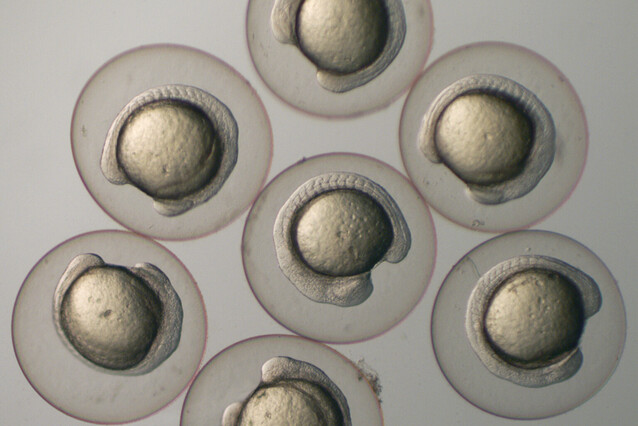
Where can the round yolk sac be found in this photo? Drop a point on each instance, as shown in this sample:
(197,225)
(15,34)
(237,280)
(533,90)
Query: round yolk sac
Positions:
(332,231)
(111,317)
(342,36)
(168,149)
(291,402)
(535,318)
(483,139)
(342,233)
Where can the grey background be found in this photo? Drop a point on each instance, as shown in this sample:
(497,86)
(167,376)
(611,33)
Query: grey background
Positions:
(50,49)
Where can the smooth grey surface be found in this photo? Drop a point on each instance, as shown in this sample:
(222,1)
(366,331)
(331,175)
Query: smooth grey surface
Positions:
(50,49)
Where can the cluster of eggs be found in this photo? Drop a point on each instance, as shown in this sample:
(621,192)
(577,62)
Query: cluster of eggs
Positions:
(479,143)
